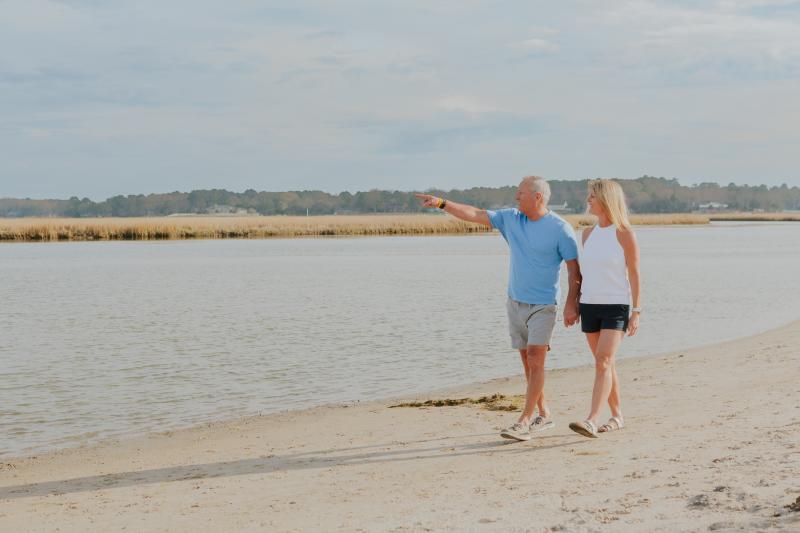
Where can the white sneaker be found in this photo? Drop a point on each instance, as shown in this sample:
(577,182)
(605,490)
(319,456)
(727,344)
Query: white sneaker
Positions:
(541,423)
(517,432)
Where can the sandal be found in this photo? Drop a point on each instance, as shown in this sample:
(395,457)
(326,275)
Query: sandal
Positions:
(614,423)
(585,428)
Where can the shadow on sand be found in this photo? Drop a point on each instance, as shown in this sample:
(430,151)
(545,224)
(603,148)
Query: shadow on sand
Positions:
(422,450)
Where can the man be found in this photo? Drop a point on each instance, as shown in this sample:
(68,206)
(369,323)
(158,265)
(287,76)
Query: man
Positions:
(539,240)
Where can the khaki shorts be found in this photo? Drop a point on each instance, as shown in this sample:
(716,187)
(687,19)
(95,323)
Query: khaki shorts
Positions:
(530,324)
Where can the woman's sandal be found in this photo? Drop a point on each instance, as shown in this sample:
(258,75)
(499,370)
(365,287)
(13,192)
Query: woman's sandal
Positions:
(585,428)
(614,423)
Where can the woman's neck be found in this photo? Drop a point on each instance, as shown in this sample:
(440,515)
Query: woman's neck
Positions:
(603,221)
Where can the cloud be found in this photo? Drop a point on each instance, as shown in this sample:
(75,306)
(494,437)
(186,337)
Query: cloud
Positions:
(689,44)
(323,34)
(295,93)
(449,132)
(38,15)
(465,104)
(538,45)
(740,5)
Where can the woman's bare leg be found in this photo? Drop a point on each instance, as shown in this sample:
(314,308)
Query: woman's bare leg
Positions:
(605,350)
(614,402)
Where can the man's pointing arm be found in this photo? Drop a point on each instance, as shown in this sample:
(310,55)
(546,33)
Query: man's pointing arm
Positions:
(462,211)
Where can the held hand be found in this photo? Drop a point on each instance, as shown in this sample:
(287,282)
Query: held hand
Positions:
(571,315)
(428,200)
(633,324)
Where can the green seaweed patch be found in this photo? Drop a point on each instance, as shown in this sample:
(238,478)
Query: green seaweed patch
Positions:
(434,403)
(495,402)
(794,507)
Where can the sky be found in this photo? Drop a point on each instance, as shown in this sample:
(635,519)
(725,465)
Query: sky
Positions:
(104,97)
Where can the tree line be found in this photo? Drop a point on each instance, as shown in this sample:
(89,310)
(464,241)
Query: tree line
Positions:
(645,195)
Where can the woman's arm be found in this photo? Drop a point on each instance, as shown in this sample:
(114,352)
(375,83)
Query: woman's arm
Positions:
(627,239)
(586,233)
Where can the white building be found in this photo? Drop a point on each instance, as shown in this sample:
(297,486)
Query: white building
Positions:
(712,206)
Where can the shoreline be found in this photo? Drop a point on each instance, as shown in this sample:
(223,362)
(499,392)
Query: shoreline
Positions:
(161,229)
(724,454)
(457,390)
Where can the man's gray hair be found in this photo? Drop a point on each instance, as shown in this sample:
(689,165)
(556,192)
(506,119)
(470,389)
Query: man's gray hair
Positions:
(538,184)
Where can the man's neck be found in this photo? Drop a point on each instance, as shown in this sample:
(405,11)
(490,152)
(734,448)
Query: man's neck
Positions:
(536,214)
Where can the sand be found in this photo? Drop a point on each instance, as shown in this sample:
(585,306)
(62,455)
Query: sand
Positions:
(712,443)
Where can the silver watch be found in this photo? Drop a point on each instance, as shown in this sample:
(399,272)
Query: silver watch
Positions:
(636,310)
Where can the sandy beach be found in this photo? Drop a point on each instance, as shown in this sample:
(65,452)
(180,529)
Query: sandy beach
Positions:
(712,443)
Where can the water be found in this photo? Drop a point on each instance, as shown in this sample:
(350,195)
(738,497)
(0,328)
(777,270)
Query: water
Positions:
(105,339)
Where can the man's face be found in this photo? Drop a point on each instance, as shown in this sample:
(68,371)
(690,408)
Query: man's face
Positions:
(527,200)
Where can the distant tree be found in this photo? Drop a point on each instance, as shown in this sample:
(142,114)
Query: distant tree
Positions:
(645,194)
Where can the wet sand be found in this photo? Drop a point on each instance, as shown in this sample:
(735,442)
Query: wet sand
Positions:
(712,443)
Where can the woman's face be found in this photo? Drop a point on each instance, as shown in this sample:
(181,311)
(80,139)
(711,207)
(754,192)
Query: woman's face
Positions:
(593,207)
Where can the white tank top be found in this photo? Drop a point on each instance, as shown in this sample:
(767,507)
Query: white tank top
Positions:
(605,274)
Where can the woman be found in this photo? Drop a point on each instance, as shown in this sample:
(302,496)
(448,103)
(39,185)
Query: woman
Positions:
(610,270)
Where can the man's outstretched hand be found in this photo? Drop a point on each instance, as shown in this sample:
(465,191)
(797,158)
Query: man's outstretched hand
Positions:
(428,200)
(460,211)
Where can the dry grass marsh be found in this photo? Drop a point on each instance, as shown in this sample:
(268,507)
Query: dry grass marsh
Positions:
(162,228)
(756,217)
(258,227)
(666,219)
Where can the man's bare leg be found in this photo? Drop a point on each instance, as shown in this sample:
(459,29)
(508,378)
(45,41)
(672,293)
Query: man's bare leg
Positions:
(541,405)
(535,391)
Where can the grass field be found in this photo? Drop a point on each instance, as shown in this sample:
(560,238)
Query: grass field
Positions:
(756,217)
(164,228)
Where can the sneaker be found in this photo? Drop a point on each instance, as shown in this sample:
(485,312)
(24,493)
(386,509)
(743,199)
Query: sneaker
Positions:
(517,432)
(541,423)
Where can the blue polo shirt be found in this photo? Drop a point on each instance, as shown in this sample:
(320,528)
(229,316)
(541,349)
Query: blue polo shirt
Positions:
(537,249)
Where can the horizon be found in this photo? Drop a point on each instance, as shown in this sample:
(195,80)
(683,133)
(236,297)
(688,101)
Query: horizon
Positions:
(103,99)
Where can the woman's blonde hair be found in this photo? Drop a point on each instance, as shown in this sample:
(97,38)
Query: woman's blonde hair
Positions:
(612,199)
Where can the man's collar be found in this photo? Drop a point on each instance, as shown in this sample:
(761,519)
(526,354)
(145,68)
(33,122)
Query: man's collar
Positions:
(546,212)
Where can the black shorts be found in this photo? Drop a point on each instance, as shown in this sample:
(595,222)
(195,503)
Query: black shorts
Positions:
(595,317)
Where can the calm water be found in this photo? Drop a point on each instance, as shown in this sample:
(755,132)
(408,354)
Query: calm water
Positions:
(102,339)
